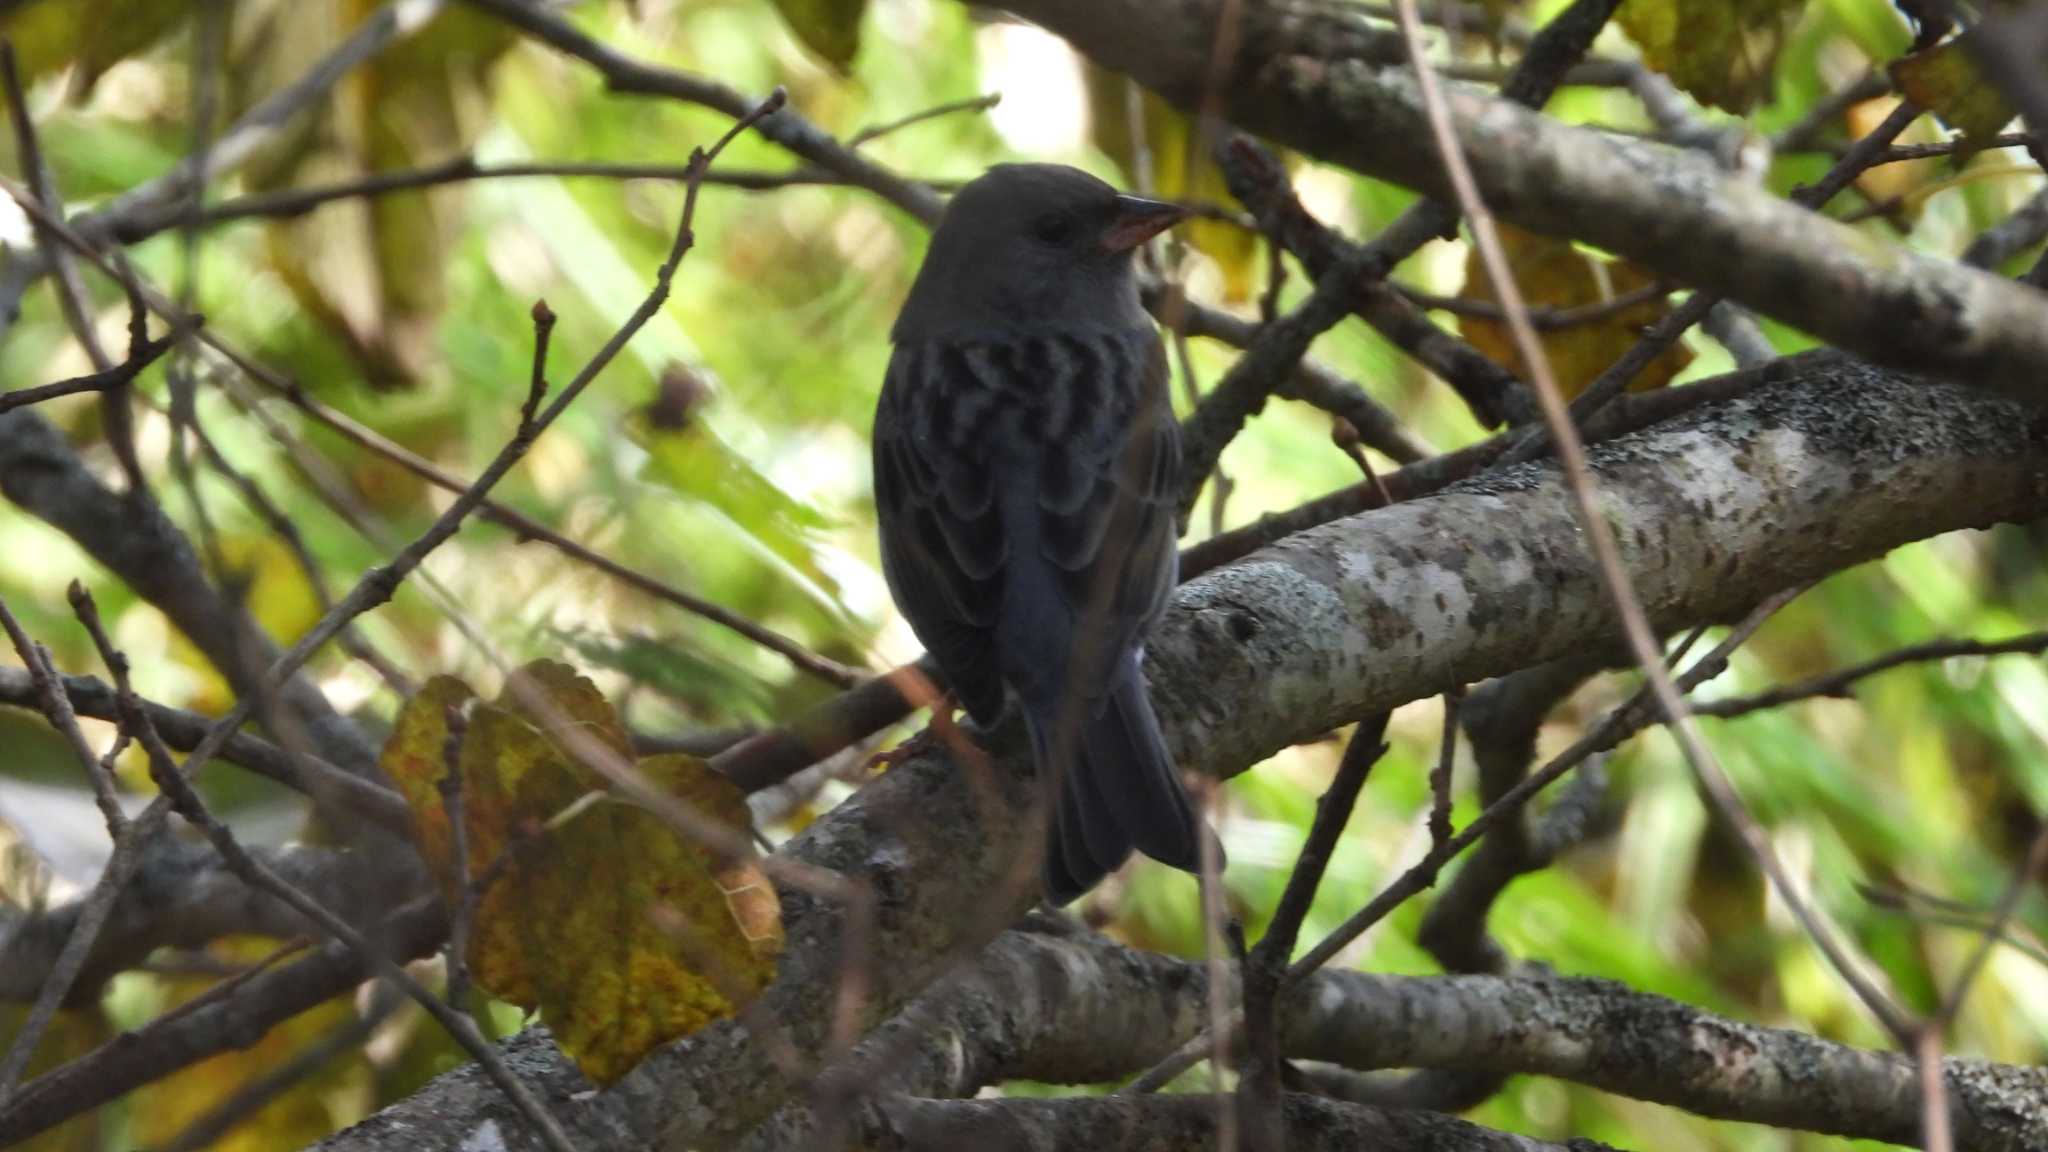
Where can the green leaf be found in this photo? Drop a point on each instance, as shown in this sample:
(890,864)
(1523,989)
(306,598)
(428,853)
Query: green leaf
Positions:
(1945,81)
(619,931)
(829,28)
(1719,51)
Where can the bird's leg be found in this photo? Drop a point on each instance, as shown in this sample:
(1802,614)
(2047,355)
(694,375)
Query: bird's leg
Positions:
(943,731)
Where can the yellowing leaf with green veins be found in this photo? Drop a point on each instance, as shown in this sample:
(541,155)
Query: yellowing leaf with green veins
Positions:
(1945,81)
(829,28)
(1554,275)
(633,935)
(1167,129)
(1721,52)
(619,931)
(415,757)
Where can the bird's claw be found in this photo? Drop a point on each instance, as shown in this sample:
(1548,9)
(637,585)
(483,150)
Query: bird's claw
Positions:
(943,732)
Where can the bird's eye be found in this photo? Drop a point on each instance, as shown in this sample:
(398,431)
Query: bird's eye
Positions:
(1053,228)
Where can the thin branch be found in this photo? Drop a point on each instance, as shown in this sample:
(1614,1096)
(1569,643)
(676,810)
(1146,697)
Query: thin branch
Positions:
(502,514)
(215,1023)
(951,108)
(1265,968)
(119,376)
(71,296)
(56,707)
(331,787)
(162,202)
(85,930)
(625,75)
(262,1090)
(1668,330)
(1837,684)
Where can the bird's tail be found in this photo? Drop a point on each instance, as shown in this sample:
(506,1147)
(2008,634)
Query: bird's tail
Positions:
(1117,790)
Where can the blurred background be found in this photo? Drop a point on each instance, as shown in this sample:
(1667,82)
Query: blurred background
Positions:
(725,452)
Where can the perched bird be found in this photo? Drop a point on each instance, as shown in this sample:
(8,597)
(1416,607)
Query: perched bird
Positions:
(1025,468)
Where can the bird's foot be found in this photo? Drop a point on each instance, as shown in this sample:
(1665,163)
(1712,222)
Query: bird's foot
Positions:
(943,733)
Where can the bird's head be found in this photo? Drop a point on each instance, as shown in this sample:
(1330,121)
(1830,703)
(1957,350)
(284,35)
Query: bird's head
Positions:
(1032,248)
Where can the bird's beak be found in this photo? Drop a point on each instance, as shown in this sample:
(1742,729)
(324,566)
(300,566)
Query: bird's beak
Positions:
(1138,220)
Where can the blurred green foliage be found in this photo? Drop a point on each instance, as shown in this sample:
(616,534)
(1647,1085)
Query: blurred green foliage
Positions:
(411,314)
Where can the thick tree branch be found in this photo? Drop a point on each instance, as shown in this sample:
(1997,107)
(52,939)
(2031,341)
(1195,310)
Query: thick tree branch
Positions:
(42,473)
(1174,1124)
(1834,464)
(1315,79)
(220,1024)
(181,897)
(327,784)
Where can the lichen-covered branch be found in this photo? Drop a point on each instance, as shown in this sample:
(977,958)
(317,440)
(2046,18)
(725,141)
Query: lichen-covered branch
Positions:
(1174,1124)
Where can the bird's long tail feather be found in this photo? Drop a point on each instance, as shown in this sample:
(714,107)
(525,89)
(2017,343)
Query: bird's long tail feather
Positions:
(1116,791)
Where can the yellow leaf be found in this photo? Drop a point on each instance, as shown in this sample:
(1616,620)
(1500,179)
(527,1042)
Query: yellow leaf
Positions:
(1720,51)
(1944,80)
(1235,250)
(278,594)
(91,35)
(829,28)
(415,759)
(310,1110)
(372,272)
(633,935)
(1554,275)
(620,932)
(569,693)
(1893,184)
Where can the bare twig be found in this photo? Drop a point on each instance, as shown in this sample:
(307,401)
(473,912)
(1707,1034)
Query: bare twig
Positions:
(1668,330)
(952,107)
(464,912)
(327,784)
(524,525)
(625,75)
(71,295)
(1266,966)
(85,930)
(225,1017)
(2031,862)
(161,203)
(262,1090)
(1838,683)
(56,707)
(119,376)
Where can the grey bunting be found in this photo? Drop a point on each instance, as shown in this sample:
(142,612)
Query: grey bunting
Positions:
(1026,460)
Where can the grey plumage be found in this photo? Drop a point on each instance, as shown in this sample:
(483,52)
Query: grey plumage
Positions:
(1025,467)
